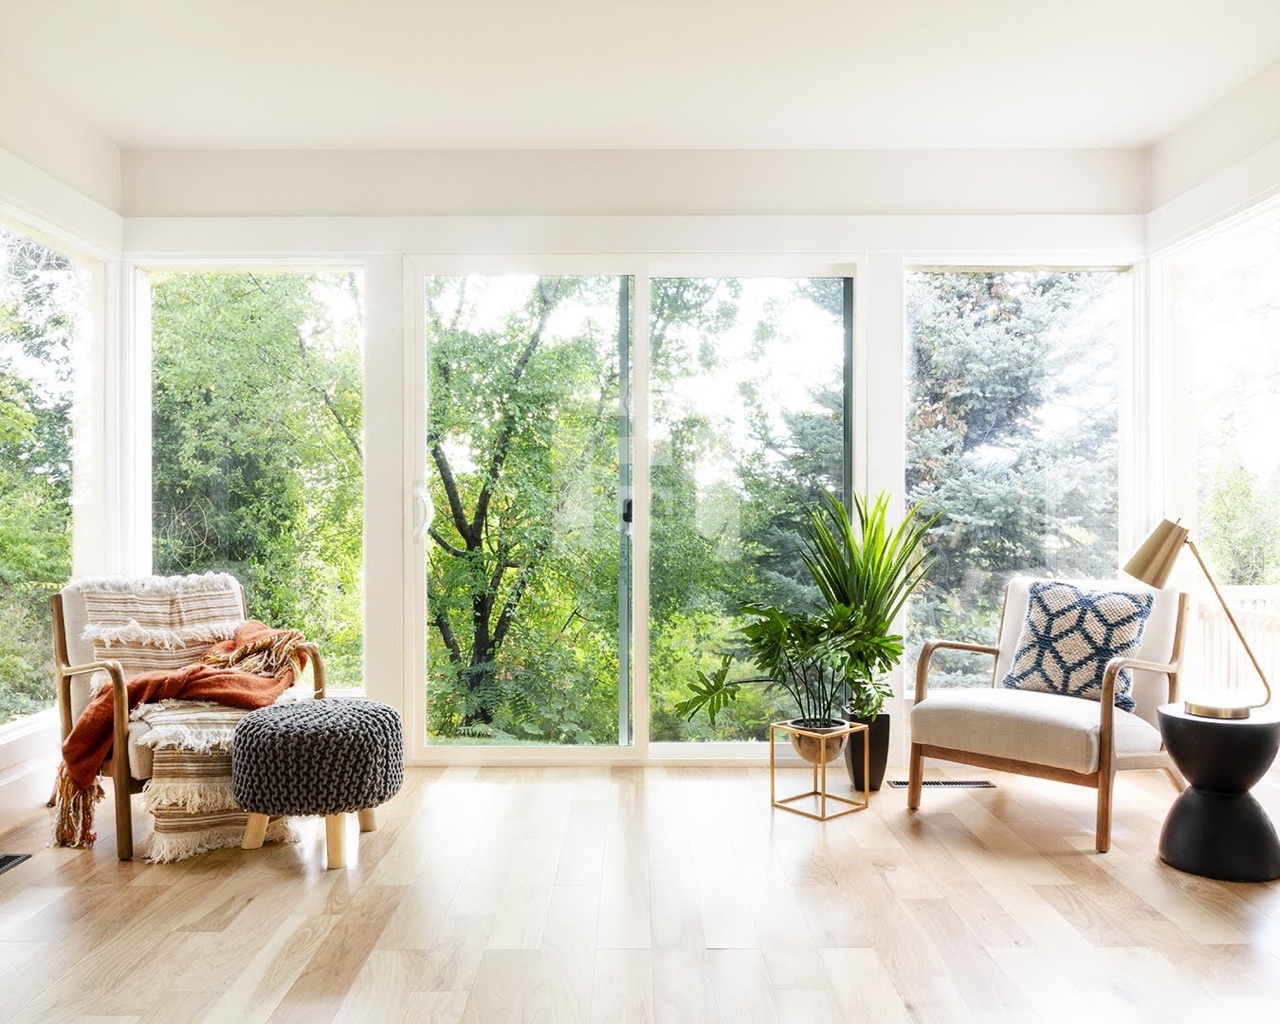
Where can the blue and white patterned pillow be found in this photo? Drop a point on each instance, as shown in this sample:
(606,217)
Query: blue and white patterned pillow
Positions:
(1070,634)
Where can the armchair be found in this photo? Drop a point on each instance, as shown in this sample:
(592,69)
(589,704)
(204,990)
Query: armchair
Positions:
(118,627)
(1054,735)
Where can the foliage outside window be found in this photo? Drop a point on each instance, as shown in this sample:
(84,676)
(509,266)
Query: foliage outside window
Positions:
(41,300)
(1012,433)
(523,421)
(1225,317)
(528,471)
(257,435)
(1224,324)
(747,393)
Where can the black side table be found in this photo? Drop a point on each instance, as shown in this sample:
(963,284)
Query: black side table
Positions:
(1217,828)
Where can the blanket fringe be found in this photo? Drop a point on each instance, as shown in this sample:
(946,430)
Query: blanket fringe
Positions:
(192,796)
(190,739)
(165,848)
(133,632)
(73,824)
(193,583)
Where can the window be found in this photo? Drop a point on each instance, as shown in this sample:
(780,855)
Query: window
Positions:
(1013,387)
(1223,321)
(42,296)
(748,396)
(257,434)
(529,459)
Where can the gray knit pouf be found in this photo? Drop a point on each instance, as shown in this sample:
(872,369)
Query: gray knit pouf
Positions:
(317,757)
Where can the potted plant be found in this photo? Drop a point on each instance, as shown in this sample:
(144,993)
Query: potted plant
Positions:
(844,650)
(870,565)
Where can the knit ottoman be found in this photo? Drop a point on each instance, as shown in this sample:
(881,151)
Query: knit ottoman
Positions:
(328,757)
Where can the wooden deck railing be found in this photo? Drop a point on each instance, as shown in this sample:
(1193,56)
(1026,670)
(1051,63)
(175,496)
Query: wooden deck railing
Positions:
(1216,660)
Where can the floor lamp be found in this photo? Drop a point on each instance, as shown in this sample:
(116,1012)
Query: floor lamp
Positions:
(1152,563)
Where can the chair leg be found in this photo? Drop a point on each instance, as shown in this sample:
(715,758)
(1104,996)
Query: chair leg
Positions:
(915,777)
(1102,837)
(368,820)
(124,808)
(1175,776)
(335,840)
(255,832)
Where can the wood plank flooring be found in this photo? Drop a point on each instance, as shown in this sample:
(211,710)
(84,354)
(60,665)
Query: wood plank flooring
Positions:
(658,894)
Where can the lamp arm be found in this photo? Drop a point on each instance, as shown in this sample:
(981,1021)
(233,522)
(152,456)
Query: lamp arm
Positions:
(1232,619)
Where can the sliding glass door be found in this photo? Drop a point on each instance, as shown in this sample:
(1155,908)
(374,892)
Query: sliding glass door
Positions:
(750,380)
(528,460)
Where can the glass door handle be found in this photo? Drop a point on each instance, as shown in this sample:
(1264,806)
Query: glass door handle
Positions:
(423,512)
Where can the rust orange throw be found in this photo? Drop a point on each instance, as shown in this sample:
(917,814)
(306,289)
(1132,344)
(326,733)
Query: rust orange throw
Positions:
(248,671)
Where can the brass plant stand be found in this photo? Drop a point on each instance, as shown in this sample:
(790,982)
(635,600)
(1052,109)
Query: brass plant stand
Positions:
(820,773)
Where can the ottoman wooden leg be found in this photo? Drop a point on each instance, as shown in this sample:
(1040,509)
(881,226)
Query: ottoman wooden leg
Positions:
(335,840)
(368,820)
(254,832)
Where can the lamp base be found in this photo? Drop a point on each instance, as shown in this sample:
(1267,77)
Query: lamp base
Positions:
(1235,711)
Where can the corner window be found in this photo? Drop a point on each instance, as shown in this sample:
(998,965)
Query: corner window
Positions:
(257,445)
(1013,396)
(42,299)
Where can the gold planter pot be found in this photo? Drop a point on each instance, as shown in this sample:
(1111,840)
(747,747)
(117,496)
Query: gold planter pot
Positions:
(819,744)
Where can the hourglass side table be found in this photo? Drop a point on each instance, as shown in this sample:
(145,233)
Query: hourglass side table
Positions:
(1217,828)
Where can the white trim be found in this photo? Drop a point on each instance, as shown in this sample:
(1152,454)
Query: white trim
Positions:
(754,754)
(58,211)
(287,239)
(1237,191)
(415,611)
(640,524)
(386,638)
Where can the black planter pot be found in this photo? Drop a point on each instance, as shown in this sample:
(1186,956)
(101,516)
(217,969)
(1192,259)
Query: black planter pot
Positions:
(878,737)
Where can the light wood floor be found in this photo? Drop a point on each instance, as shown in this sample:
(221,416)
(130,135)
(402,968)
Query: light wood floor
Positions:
(651,894)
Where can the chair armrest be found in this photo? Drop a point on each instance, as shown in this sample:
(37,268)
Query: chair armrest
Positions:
(317,668)
(119,695)
(1110,675)
(926,656)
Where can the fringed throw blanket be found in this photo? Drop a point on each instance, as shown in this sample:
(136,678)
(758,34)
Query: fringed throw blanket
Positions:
(248,671)
(189,794)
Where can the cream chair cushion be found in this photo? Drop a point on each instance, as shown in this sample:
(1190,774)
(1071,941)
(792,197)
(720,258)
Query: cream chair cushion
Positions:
(1025,725)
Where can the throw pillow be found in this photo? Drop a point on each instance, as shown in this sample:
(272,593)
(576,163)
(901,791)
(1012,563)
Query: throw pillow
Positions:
(1070,634)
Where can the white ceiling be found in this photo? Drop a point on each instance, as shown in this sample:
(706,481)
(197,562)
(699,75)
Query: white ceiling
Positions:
(551,74)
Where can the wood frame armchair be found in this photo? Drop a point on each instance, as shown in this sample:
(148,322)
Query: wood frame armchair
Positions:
(73,658)
(955,725)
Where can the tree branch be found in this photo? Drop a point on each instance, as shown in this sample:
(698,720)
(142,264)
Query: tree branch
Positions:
(446,634)
(456,552)
(455,498)
(548,288)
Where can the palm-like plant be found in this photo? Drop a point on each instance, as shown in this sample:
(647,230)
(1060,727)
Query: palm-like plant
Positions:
(865,572)
(872,567)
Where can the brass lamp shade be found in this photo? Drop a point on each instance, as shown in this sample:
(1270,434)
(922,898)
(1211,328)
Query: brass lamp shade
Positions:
(1153,562)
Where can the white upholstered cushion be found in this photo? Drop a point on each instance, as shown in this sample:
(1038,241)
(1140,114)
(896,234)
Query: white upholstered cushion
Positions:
(1023,725)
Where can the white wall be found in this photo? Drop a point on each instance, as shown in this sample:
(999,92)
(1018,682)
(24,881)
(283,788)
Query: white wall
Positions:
(41,130)
(207,183)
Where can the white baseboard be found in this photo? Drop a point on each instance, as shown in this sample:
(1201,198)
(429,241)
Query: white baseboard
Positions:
(29,751)
(25,788)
